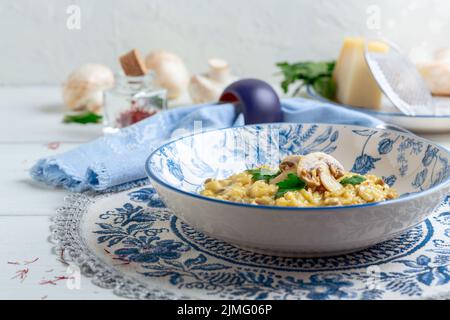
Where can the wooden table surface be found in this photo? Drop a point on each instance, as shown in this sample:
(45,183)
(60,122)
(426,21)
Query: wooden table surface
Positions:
(31,119)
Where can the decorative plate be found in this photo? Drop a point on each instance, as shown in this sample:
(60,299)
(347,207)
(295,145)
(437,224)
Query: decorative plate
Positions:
(129,242)
(388,113)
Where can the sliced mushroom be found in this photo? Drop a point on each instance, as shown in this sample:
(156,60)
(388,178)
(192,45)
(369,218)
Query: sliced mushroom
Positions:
(328,181)
(313,160)
(307,170)
(283,176)
(288,165)
(318,169)
(290,162)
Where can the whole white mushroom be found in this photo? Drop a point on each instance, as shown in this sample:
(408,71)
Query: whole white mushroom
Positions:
(209,86)
(170,72)
(83,89)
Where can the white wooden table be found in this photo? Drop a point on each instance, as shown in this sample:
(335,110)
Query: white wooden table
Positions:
(31,119)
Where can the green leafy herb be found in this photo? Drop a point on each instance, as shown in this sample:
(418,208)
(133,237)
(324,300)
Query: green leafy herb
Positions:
(83,118)
(353,180)
(292,183)
(325,87)
(263,174)
(319,75)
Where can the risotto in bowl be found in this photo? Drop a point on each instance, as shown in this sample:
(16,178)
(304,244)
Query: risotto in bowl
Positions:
(312,180)
(301,189)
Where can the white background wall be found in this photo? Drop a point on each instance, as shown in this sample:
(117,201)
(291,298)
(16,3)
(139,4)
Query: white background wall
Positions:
(38,48)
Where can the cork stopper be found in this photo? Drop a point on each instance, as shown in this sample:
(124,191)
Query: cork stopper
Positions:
(133,64)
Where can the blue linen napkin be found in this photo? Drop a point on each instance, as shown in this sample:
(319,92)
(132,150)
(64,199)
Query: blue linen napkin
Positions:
(118,159)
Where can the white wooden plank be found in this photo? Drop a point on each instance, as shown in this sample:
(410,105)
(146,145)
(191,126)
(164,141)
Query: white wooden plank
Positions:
(25,239)
(19,193)
(34,114)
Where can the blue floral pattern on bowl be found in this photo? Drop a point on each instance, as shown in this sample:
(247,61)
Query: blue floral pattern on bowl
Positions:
(184,164)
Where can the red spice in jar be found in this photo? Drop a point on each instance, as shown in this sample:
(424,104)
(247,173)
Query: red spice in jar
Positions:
(133,115)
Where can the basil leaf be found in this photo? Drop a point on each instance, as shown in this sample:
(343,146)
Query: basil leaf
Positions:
(292,183)
(354,180)
(263,174)
(83,118)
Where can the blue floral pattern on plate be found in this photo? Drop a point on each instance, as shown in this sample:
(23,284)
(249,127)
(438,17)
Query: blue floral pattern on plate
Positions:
(162,251)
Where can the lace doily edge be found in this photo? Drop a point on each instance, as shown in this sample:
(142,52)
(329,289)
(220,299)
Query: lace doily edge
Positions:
(70,247)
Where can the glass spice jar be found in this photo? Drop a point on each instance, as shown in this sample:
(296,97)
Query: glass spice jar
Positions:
(131,100)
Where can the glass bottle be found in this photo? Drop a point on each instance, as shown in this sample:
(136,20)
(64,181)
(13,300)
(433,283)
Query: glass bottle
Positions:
(131,100)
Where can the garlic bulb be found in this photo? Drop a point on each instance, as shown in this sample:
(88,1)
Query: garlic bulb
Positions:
(83,89)
(208,87)
(170,72)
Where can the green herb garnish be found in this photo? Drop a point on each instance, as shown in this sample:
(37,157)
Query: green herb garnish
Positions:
(325,87)
(83,118)
(292,183)
(353,180)
(319,75)
(263,174)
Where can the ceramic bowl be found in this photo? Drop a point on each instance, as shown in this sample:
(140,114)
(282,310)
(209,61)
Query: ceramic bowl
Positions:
(417,168)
